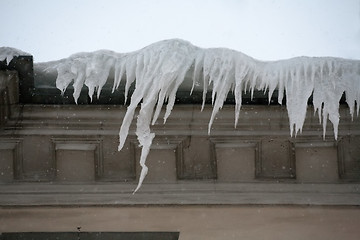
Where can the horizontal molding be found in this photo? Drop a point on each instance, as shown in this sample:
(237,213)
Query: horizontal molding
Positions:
(234,142)
(185,120)
(7,145)
(75,146)
(314,144)
(84,115)
(179,194)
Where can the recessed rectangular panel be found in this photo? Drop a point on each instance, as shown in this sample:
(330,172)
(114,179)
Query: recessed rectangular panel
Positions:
(317,164)
(37,158)
(198,161)
(235,164)
(349,158)
(161,164)
(6,165)
(75,165)
(77,160)
(118,165)
(10,160)
(276,159)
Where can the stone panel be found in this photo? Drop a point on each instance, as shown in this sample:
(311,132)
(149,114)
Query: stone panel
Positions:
(198,160)
(161,161)
(118,165)
(78,160)
(316,162)
(349,158)
(161,164)
(235,160)
(10,160)
(6,165)
(9,94)
(37,160)
(276,159)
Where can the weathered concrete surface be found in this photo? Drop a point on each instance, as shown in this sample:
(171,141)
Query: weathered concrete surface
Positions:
(186,193)
(9,94)
(194,222)
(69,153)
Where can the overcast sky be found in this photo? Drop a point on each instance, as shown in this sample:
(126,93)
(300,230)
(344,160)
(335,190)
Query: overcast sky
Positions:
(263,29)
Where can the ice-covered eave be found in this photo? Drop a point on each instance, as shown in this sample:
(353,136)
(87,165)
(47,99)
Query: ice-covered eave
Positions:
(158,70)
(7,53)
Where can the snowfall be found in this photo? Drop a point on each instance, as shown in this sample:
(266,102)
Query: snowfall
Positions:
(159,69)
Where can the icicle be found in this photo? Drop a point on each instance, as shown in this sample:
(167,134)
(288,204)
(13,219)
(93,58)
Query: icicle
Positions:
(79,69)
(119,72)
(241,70)
(144,135)
(223,80)
(199,58)
(65,76)
(282,79)
(130,74)
(172,94)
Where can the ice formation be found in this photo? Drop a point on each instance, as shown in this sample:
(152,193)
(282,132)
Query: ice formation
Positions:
(159,69)
(7,53)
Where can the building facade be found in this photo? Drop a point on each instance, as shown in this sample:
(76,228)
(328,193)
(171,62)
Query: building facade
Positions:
(60,170)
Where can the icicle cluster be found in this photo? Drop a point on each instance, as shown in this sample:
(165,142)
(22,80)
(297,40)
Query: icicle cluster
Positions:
(159,69)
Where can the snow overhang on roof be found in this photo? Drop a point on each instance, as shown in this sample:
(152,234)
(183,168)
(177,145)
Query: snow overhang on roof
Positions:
(16,60)
(7,54)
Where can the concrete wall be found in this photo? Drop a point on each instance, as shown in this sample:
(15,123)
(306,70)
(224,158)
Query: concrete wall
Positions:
(77,145)
(9,94)
(194,222)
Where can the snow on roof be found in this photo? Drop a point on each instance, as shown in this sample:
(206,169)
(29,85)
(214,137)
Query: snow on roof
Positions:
(9,53)
(160,68)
